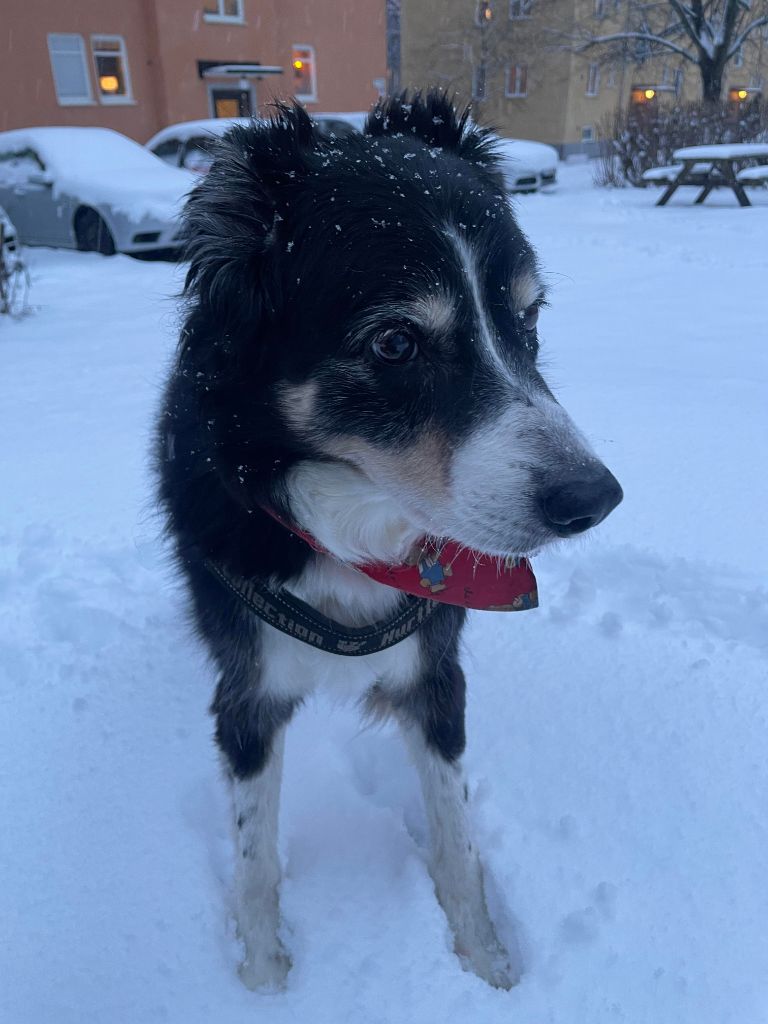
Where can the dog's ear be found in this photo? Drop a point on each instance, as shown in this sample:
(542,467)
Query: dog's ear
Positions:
(230,221)
(433,118)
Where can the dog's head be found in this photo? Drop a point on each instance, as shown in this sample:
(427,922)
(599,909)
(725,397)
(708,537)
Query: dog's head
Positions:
(369,307)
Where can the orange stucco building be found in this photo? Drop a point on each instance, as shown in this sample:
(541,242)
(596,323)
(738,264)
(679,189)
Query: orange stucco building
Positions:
(138,65)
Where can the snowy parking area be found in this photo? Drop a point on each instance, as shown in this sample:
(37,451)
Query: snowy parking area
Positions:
(617,735)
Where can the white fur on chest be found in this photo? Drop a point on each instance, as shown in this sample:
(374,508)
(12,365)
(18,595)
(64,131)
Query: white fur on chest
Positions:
(292,669)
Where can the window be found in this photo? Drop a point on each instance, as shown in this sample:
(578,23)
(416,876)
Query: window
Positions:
(516,84)
(679,80)
(738,58)
(70,70)
(112,78)
(587,134)
(593,80)
(599,8)
(610,80)
(169,151)
(519,9)
(478,82)
(304,73)
(224,10)
(19,168)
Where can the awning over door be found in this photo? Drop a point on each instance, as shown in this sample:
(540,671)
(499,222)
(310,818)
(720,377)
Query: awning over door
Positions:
(243,69)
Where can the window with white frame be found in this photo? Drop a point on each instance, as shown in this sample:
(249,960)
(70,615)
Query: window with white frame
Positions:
(587,133)
(679,81)
(599,8)
(478,82)
(304,72)
(593,80)
(519,9)
(516,84)
(224,10)
(70,69)
(113,82)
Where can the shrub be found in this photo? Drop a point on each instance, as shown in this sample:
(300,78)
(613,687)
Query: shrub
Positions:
(634,139)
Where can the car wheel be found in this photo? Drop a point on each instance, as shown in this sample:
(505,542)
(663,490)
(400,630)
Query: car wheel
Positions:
(92,233)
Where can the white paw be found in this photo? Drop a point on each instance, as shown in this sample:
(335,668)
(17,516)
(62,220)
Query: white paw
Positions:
(265,971)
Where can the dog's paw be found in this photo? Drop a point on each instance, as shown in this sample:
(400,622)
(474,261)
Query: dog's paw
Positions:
(266,972)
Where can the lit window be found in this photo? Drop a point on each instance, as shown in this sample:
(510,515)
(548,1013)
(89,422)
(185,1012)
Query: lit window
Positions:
(478,82)
(593,80)
(224,10)
(304,73)
(519,9)
(70,69)
(112,79)
(517,81)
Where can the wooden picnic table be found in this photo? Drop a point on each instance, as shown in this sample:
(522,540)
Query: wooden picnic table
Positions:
(710,167)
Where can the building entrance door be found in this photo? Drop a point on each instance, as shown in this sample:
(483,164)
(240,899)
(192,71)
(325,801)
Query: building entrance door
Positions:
(229,102)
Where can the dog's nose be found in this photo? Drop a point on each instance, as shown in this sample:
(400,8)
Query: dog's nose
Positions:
(581,502)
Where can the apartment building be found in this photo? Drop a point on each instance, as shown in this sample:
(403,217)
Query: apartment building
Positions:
(138,65)
(502,54)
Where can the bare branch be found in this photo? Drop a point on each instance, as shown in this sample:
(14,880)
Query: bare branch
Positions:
(745,34)
(646,37)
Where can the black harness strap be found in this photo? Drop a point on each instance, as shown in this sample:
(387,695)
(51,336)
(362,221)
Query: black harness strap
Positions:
(293,616)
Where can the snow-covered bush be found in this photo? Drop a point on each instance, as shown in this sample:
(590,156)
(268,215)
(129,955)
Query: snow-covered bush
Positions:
(14,278)
(636,138)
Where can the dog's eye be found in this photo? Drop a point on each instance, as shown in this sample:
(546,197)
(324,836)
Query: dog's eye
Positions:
(395,348)
(530,317)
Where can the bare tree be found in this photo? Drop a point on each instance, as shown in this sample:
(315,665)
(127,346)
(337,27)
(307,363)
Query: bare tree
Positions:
(707,33)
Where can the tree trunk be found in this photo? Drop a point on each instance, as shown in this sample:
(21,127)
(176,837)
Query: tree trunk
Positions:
(711,79)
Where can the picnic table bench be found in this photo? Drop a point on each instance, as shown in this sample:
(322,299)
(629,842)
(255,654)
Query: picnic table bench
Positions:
(711,167)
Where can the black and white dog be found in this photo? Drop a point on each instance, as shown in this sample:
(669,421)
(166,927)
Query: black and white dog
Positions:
(358,364)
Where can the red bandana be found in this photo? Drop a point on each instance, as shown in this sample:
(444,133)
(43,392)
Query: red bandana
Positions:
(448,572)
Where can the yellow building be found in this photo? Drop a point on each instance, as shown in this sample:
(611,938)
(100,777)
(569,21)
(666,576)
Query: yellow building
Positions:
(504,56)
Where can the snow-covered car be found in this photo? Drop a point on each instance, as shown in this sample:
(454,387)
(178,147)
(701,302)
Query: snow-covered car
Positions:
(190,144)
(340,124)
(90,189)
(527,166)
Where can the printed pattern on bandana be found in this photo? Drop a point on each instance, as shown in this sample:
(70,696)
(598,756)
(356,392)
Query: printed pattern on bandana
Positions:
(453,574)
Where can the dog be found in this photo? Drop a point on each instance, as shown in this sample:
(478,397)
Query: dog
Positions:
(357,370)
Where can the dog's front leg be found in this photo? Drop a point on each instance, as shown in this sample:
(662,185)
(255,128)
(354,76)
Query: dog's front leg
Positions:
(251,735)
(434,733)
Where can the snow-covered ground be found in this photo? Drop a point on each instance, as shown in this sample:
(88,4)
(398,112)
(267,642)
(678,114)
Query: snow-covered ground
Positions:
(617,736)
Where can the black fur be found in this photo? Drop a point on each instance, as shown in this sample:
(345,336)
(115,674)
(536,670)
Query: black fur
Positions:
(291,240)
